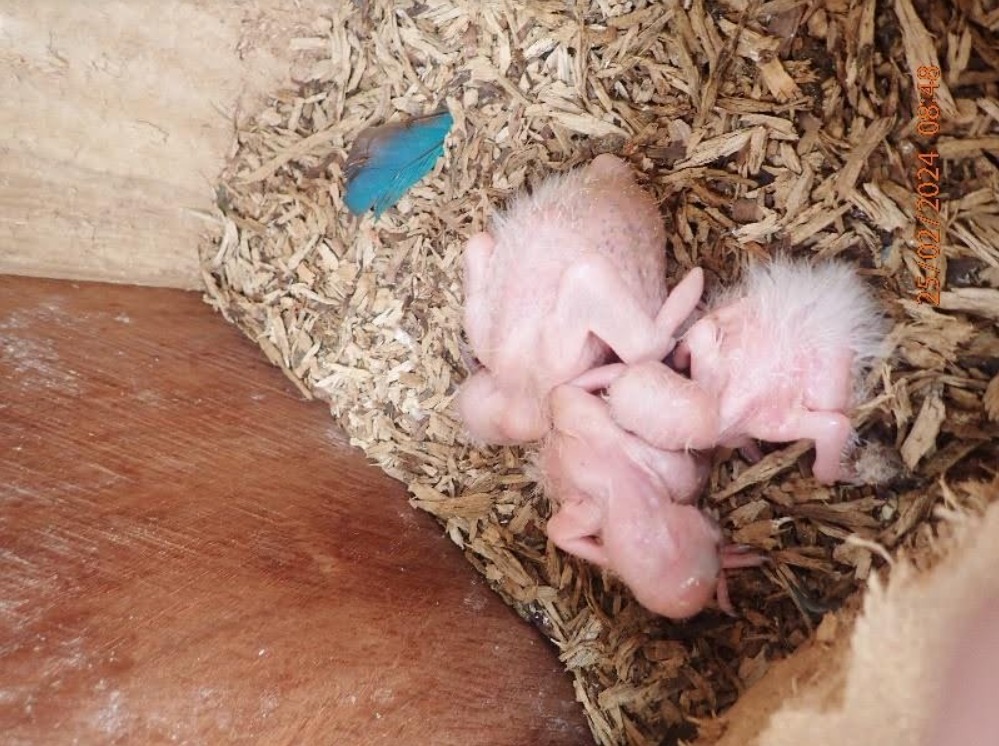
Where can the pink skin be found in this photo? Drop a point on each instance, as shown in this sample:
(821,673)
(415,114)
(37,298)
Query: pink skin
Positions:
(628,507)
(737,402)
(574,274)
(751,377)
(581,514)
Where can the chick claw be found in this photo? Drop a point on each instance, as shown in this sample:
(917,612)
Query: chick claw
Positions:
(734,557)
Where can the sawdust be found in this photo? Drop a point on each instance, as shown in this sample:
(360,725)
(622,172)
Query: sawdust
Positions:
(760,127)
(882,675)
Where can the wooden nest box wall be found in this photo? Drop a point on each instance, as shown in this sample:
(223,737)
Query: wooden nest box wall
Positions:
(198,146)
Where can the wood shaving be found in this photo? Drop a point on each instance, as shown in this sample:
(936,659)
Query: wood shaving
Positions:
(925,430)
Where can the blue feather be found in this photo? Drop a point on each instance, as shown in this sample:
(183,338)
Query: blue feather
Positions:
(386,161)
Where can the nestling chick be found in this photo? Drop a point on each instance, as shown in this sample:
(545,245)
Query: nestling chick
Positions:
(566,277)
(630,508)
(779,357)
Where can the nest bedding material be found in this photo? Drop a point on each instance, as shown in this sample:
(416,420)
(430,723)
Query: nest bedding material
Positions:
(885,674)
(761,127)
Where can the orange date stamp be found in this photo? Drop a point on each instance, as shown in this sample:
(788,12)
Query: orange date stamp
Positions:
(927,189)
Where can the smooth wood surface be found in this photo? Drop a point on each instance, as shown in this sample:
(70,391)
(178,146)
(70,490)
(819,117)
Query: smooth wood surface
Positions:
(115,120)
(190,554)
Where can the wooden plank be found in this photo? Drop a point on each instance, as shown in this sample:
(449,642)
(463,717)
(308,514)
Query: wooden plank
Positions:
(116,119)
(189,553)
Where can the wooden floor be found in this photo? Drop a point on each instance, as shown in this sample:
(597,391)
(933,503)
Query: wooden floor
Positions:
(190,554)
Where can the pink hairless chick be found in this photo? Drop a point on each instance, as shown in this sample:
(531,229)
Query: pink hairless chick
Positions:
(778,358)
(629,507)
(568,276)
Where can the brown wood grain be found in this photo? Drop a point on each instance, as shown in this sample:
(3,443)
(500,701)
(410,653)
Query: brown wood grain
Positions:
(189,553)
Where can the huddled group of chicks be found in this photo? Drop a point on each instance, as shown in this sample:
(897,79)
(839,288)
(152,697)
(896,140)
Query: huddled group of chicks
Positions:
(629,387)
